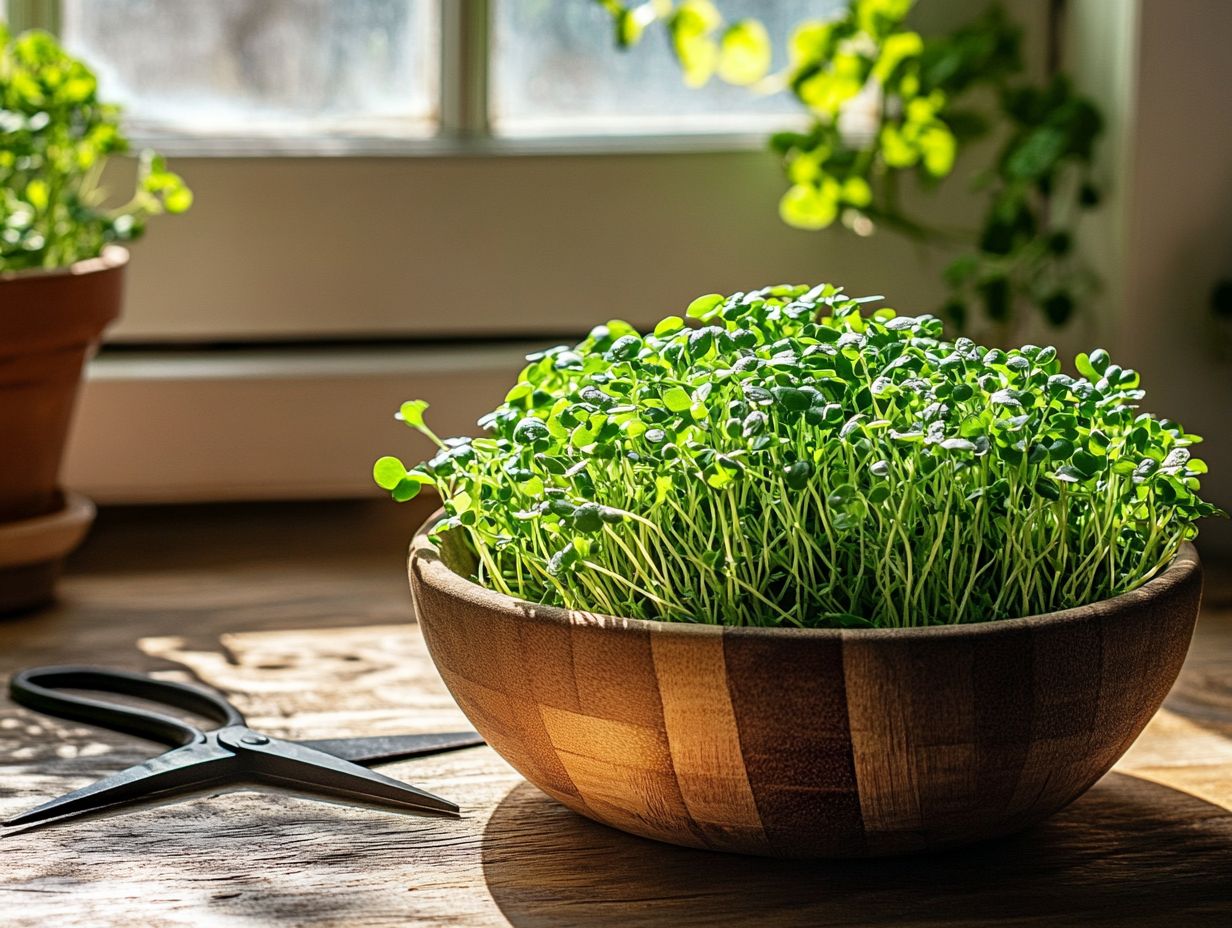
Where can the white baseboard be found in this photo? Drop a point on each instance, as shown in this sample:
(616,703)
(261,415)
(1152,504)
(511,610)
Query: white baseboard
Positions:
(269,424)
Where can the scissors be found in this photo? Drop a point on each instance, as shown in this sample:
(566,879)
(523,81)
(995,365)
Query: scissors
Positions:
(230,753)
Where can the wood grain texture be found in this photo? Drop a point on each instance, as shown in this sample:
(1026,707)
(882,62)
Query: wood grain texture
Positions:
(300,615)
(807,743)
(704,739)
(798,755)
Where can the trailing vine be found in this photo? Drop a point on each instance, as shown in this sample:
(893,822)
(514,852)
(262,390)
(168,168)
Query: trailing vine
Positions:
(884,102)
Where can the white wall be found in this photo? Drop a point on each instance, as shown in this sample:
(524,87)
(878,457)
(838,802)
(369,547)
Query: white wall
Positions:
(423,246)
(1163,70)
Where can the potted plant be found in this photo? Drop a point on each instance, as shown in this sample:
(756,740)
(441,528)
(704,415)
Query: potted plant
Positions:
(799,580)
(61,277)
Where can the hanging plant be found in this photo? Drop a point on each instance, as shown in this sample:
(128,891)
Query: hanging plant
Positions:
(884,103)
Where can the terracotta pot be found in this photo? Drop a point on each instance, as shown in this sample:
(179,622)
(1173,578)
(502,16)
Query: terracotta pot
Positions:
(32,552)
(50,322)
(806,743)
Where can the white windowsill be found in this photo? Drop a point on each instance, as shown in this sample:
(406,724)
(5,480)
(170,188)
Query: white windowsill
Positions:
(327,361)
(442,147)
(678,136)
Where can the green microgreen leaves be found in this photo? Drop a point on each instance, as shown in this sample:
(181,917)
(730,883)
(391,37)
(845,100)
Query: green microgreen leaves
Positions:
(388,472)
(412,413)
(704,308)
(677,399)
(786,459)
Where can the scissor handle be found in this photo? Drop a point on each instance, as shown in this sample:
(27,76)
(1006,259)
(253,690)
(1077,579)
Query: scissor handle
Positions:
(37,689)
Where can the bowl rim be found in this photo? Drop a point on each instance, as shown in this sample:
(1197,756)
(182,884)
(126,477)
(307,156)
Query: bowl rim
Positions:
(425,560)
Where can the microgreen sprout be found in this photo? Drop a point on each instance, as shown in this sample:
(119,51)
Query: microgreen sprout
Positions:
(785,459)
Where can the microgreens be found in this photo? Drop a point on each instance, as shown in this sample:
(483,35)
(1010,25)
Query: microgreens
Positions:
(787,460)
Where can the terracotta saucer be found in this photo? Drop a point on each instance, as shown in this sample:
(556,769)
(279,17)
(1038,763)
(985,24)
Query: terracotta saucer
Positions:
(32,552)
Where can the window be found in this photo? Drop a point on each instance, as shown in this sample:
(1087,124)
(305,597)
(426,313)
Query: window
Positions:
(269,68)
(400,70)
(555,70)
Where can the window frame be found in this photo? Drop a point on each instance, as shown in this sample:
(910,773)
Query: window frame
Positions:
(463,127)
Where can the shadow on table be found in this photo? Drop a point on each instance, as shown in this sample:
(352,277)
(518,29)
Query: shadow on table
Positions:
(1129,852)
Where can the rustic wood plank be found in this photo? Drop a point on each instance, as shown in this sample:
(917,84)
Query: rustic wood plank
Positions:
(302,623)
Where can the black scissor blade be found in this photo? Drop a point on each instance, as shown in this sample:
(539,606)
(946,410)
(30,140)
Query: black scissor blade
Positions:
(384,749)
(288,764)
(182,770)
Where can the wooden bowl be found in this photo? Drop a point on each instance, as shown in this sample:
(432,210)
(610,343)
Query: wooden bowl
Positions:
(806,743)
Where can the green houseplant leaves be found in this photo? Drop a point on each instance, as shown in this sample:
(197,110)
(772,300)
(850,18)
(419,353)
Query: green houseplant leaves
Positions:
(885,104)
(55,138)
(788,460)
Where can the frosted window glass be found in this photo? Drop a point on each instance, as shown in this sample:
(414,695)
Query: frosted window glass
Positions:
(263,67)
(555,69)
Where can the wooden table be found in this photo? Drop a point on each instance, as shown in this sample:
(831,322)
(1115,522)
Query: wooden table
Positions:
(301,615)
